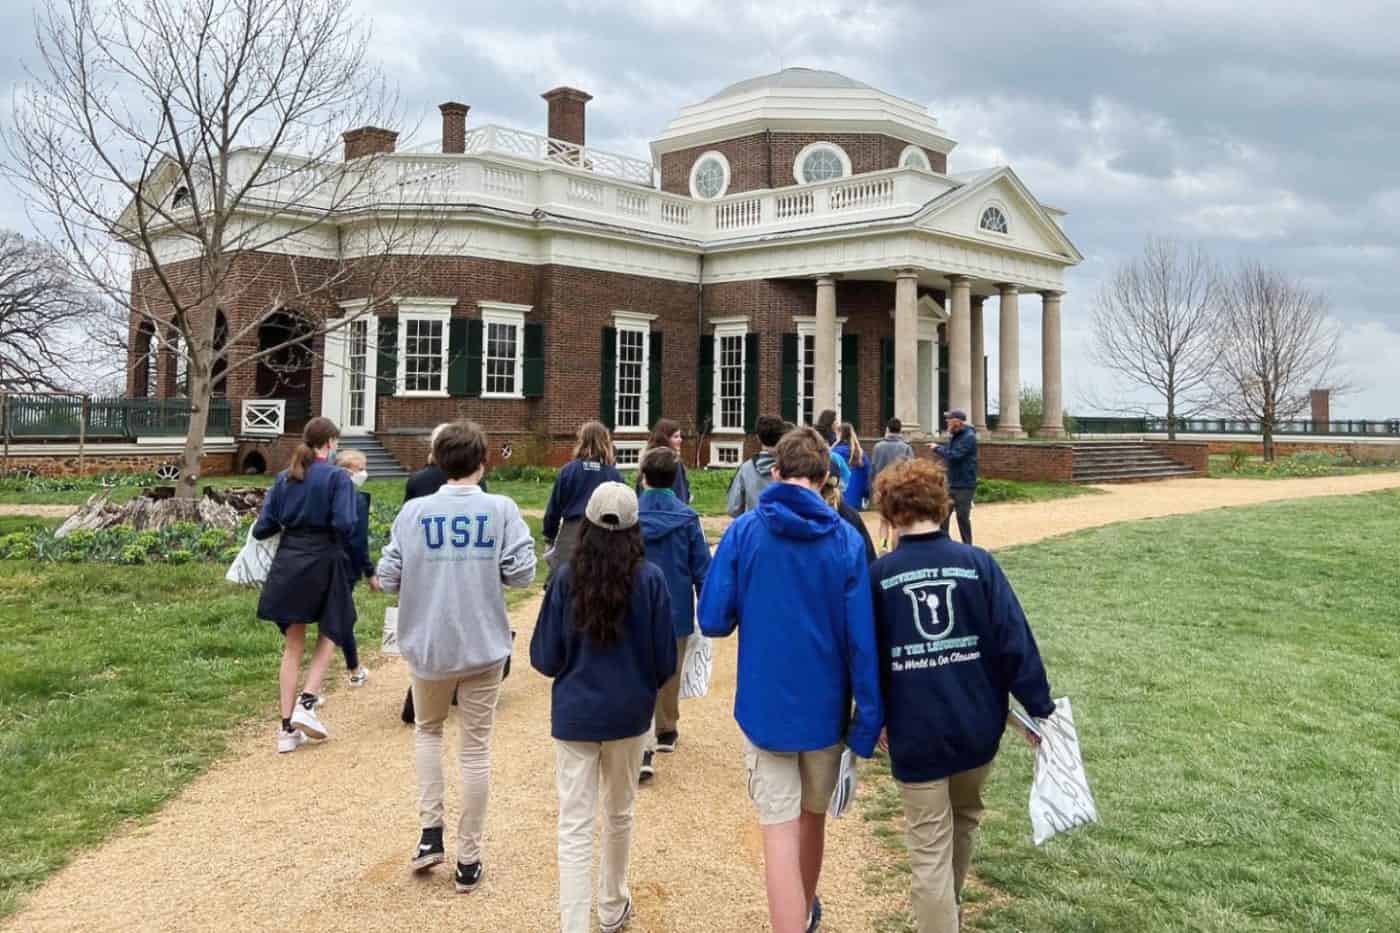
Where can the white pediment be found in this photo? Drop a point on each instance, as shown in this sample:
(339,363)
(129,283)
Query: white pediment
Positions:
(929,308)
(1029,226)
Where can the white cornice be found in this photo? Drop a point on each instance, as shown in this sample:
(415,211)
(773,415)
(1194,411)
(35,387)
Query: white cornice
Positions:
(505,307)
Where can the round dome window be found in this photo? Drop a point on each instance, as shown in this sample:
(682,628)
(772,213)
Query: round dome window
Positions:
(709,177)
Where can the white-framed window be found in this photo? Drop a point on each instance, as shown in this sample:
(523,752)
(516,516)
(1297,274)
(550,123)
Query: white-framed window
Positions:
(629,454)
(502,349)
(914,157)
(709,176)
(993,220)
(731,364)
(726,454)
(633,376)
(423,346)
(807,411)
(821,161)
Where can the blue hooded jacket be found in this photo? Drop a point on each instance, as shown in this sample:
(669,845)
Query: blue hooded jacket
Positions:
(953,643)
(792,577)
(676,544)
(960,455)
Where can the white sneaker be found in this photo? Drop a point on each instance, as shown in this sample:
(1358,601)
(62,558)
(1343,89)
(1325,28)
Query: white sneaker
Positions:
(360,677)
(289,741)
(305,721)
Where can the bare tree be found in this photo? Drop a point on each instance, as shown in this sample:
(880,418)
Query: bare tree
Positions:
(206,136)
(1155,327)
(44,311)
(1279,343)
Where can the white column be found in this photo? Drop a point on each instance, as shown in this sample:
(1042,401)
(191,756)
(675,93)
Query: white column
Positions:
(824,356)
(979,368)
(906,348)
(1009,370)
(1052,389)
(960,344)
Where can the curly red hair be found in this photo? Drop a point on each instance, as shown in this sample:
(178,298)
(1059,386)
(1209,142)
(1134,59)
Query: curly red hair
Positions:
(912,491)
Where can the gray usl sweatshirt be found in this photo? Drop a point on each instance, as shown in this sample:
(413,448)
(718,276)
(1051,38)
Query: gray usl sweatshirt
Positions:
(450,557)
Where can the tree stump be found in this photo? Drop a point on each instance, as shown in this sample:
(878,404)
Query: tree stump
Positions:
(151,511)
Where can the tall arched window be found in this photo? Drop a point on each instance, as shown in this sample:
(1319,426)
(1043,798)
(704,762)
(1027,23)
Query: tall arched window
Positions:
(144,352)
(219,371)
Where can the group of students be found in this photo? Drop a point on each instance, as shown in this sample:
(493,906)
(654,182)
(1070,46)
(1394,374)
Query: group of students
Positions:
(916,651)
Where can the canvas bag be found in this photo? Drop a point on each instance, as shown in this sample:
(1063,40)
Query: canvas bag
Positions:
(1060,795)
(696,667)
(390,644)
(254,560)
(845,785)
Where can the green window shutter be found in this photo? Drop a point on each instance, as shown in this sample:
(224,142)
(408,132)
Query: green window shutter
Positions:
(887,378)
(534,360)
(850,379)
(655,372)
(790,377)
(607,390)
(751,383)
(705,386)
(457,366)
(388,362)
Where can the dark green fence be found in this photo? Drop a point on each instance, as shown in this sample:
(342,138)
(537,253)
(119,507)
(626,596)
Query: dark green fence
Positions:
(1352,428)
(70,417)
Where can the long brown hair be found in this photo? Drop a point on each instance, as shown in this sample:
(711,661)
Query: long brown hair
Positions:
(848,436)
(604,571)
(594,443)
(317,434)
(661,434)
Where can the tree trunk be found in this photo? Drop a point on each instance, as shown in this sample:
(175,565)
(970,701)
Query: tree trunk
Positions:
(201,391)
(1171,415)
(1268,442)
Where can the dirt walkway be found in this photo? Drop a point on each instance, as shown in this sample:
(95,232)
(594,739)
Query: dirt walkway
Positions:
(319,840)
(38,511)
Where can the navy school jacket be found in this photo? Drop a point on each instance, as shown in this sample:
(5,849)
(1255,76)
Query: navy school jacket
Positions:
(572,489)
(323,501)
(603,693)
(953,643)
(357,546)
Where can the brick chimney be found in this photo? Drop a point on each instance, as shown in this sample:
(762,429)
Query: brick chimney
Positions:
(368,140)
(566,113)
(1321,407)
(454,126)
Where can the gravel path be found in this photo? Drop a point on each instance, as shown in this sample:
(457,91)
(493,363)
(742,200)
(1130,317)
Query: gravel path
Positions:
(319,840)
(39,511)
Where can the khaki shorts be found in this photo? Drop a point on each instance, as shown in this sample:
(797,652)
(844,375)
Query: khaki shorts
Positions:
(784,785)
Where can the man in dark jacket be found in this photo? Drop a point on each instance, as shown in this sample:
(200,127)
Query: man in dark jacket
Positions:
(676,544)
(960,457)
(792,577)
(954,643)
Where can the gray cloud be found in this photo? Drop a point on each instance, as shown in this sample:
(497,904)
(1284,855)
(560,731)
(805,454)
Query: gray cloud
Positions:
(1266,131)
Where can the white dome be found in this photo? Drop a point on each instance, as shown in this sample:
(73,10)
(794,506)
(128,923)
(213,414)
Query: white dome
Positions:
(788,78)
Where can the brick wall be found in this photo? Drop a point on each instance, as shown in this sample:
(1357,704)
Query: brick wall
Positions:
(1194,454)
(1051,463)
(94,463)
(765,160)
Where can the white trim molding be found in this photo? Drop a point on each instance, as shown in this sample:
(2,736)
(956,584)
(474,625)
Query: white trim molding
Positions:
(431,310)
(726,454)
(631,448)
(633,318)
(819,146)
(730,328)
(504,307)
(507,315)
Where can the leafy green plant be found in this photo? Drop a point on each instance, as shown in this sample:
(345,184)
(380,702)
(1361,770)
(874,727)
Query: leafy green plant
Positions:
(133,554)
(17,545)
(179,557)
(1239,456)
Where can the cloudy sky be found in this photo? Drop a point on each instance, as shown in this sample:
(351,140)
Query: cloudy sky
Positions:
(1264,131)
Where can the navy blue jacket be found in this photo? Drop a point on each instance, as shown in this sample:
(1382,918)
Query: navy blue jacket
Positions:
(357,547)
(676,545)
(604,693)
(791,575)
(681,487)
(960,454)
(323,501)
(572,488)
(953,643)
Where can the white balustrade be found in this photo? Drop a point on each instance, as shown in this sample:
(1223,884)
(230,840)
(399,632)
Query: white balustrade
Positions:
(735,215)
(862,194)
(632,203)
(797,204)
(585,192)
(264,417)
(503,181)
(676,213)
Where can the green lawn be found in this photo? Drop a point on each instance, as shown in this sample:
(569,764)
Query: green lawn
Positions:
(1233,677)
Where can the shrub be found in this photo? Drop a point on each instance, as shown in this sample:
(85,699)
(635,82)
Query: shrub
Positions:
(132,554)
(522,473)
(179,557)
(17,545)
(999,490)
(212,541)
(1239,456)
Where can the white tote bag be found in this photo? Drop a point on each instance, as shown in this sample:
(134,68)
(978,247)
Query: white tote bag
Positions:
(696,667)
(1060,795)
(845,785)
(253,562)
(390,644)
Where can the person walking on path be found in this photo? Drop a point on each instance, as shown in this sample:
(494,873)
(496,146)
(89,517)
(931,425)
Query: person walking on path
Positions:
(949,606)
(312,506)
(450,557)
(889,450)
(826,427)
(605,635)
(756,473)
(676,544)
(792,577)
(848,448)
(667,433)
(960,456)
(357,557)
(594,463)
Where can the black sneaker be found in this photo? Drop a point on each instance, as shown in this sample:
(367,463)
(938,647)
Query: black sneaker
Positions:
(468,877)
(814,919)
(666,741)
(648,769)
(618,924)
(429,851)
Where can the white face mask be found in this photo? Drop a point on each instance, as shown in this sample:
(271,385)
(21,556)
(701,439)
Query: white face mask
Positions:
(359,478)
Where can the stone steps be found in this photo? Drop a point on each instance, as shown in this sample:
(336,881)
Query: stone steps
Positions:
(381,464)
(1124,462)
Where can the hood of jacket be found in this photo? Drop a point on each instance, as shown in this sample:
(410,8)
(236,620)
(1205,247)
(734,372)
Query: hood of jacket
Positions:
(795,512)
(662,513)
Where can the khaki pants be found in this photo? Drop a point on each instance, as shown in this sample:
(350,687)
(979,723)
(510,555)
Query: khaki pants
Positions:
(668,698)
(943,817)
(476,700)
(582,770)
